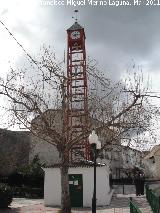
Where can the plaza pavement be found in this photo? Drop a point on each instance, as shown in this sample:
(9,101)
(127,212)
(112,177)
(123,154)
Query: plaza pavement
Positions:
(119,204)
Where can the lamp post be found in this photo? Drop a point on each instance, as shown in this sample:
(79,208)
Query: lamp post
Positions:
(95,144)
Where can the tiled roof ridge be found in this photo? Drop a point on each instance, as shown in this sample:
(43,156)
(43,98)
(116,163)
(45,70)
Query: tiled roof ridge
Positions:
(77,164)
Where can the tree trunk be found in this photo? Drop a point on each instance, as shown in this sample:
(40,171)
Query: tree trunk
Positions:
(65,196)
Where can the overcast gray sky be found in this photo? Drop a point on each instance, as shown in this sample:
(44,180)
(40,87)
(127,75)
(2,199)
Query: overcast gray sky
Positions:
(116,36)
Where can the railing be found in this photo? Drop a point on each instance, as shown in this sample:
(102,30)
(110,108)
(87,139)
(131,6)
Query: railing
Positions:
(153,200)
(122,181)
(133,207)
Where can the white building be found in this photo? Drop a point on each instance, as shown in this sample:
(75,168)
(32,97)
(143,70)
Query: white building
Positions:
(123,160)
(80,184)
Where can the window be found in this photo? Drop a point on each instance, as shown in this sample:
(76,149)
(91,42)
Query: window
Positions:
(152,159)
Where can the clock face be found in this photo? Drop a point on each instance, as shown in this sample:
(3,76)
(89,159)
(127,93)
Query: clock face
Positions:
(75,35)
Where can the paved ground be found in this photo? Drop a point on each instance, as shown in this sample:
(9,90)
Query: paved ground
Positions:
(119,204)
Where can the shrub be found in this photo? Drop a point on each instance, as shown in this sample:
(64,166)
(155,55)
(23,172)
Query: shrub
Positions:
(33,173)
(34,169)
(5,195)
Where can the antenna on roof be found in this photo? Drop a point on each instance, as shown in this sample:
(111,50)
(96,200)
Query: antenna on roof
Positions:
(75,17)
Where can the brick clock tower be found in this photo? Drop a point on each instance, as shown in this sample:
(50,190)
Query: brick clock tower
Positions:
(77,119)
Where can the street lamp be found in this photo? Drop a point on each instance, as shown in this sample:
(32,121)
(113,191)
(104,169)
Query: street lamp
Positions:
(95,144)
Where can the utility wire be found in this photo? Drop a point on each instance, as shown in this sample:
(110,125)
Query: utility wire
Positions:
(20,45)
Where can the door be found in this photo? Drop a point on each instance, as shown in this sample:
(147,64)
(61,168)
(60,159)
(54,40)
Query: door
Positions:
(76,190)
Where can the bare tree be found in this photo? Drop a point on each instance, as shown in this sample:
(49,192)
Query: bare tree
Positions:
(124,107)
(31,91)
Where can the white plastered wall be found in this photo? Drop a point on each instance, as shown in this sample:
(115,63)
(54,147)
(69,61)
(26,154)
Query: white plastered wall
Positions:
(52,186)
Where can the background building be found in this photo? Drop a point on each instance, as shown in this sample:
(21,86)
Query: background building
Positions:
(152,162)
(18,148)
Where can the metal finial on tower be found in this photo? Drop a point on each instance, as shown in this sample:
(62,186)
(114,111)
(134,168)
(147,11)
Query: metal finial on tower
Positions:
(75,17)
